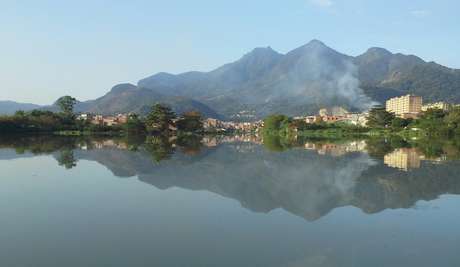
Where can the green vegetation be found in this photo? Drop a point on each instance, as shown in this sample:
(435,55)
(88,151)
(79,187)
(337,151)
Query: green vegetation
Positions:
(276,122)
(66,104)
(38,121)
(160,120)
(432,123)
(288,128)
(190,122)
(435,133)
(134,125)
(380,118)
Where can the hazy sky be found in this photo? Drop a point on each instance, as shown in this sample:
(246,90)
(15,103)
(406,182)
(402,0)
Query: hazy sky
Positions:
(83,48)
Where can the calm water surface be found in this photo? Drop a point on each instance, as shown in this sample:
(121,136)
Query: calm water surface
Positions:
(225,202)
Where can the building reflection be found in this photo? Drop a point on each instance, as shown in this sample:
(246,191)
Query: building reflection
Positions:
(309,180)
(409,158)
(212,141)
(403,159)
(337,150)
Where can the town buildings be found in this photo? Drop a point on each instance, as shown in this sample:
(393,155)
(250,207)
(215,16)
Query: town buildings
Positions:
(211,124)
(334,111)
(408,106)
(358,119)
(104,120)
(313,119)
(438,105)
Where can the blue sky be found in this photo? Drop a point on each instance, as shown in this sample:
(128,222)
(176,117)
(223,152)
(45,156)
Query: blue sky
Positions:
(83,48)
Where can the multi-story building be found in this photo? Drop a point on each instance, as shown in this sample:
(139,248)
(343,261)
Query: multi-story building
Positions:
(408,106)
(438,105)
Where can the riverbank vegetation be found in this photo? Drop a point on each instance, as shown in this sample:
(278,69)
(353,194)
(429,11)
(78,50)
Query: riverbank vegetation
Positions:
(160,120)
(431,123)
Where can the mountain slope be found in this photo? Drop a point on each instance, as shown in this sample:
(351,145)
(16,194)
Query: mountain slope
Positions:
(125,98)
(10,107)
(203,85)
(264,81)
(308,78)
(384,75)
(299,82)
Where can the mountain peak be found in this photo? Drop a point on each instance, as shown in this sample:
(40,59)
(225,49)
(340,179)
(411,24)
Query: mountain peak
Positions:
(314,45)
(261,52)
(315,42)
(122,87)
(378,51)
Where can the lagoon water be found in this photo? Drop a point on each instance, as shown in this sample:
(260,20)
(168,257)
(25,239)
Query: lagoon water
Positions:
(225,202)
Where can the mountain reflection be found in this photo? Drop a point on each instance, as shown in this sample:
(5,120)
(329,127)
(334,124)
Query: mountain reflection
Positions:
(309,179)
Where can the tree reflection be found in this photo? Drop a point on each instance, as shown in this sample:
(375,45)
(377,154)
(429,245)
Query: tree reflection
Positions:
(277,143)
(309,181)
(190,144)
(66,158)
(160,147)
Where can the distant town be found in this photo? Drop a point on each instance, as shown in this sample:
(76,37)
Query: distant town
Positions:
(406,107)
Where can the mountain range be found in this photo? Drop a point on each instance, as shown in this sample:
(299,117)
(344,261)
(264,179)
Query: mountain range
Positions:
(301,81)
(9,107)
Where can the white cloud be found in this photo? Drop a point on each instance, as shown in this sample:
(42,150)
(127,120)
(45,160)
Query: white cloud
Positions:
(322,3)
(420,13)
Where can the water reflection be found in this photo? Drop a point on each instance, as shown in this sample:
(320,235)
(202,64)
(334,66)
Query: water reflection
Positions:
(309,179)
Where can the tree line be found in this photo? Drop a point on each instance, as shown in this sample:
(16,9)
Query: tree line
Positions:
(433,122)
(161,119)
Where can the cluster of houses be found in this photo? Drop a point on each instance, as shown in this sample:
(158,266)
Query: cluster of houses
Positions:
(219,125)
(336,114)
(104,120)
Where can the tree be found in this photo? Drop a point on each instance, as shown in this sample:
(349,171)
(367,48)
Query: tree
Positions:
(189,144)
(275,122)
(190,122)
(399,123)
(452,121)
(380,118)
(432,122)
(20,113)
(66,104)
(433,114)
(134,124)
(160,118)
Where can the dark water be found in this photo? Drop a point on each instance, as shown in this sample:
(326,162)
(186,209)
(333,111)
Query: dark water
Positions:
(227,202)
